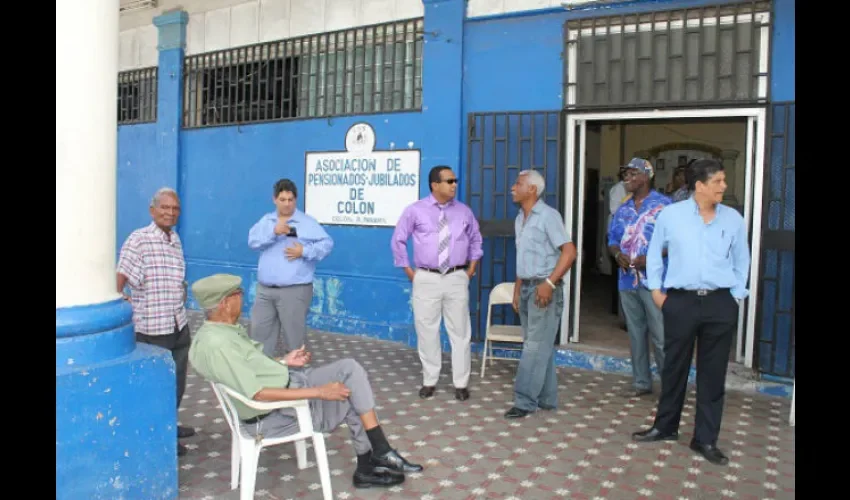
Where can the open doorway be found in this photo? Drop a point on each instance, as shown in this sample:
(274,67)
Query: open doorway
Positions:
(602,145)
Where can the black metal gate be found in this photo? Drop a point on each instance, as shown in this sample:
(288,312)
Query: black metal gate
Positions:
(775,348)
(499,146)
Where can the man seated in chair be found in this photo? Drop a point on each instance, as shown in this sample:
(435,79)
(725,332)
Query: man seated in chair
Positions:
(339,392)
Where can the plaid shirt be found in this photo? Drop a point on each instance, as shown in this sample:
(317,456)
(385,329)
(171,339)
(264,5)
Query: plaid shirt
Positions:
(155,271)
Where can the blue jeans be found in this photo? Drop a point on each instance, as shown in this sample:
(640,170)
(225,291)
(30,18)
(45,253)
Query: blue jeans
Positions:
(536,384)
(644,322)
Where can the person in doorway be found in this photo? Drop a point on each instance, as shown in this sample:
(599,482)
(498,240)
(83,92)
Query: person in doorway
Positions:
(677,189)
(290,243)
(446,250)
(544,255)
(628,240)
(152,267)
(706,278)
(339,392)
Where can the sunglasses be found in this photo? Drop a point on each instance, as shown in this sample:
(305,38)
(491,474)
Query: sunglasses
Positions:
(450,181)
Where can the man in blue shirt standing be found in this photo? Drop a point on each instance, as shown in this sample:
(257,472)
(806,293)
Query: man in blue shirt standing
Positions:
(291,244)
(708,264)
(544,254)
(628,240)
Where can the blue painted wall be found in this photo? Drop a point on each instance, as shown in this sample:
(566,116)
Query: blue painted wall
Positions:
(783,56)
(513,64)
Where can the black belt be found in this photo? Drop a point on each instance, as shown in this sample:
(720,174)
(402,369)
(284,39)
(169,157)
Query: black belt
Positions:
(449,270)
(257,418)
(700,293)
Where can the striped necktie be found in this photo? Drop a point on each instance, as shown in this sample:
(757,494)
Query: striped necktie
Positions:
(443,249)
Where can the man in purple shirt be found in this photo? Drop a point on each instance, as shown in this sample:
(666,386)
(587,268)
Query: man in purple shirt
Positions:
(446,249)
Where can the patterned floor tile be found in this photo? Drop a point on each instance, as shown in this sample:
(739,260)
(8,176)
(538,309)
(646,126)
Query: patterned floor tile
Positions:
(581,451)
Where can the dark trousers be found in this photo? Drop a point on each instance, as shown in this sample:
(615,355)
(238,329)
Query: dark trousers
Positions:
(709,321)
(178,343)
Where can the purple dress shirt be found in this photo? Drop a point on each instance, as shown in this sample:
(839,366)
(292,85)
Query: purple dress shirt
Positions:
(421,219)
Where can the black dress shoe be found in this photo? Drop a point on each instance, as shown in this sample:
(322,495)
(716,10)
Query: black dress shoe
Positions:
(184,432)
(635,393)
(393,463)
(181,450)
(367,479)
(516,413)
(462,394)
(710,452)
(426,391)
(653,434)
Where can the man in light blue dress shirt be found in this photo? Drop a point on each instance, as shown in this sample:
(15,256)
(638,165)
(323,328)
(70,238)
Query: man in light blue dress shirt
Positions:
(707,269)
(290,243)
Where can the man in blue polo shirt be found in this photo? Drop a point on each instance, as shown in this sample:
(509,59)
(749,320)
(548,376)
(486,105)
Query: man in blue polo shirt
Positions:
(628,240)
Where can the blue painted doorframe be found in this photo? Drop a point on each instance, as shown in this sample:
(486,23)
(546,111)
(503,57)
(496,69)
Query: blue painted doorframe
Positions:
(775,319)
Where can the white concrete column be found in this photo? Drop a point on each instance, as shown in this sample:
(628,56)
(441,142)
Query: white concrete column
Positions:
(86,136)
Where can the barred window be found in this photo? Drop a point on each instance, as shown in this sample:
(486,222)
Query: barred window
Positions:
(715,54)
(371,69)
(137,96)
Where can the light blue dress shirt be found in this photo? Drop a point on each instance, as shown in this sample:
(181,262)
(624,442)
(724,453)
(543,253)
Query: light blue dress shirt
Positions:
(274,268)
(699,255)
(538,241)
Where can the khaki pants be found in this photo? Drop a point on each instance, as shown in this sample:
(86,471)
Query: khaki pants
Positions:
(437,296)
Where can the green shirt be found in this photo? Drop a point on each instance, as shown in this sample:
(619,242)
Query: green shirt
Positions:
(224,353)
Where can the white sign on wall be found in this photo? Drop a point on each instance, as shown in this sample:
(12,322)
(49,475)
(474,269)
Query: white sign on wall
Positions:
(360,186)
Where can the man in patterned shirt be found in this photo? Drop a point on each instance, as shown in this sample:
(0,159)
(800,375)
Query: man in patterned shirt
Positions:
(152,266)
(628,239)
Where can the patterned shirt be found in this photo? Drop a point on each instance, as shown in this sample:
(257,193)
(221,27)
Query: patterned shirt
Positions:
(539,239)
(632,230)
(155,271)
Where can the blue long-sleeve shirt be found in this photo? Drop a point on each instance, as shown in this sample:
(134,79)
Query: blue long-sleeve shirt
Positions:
(274,268)
(699,255)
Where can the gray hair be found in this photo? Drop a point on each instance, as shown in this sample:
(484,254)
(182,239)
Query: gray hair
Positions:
(162,192)
(536,180)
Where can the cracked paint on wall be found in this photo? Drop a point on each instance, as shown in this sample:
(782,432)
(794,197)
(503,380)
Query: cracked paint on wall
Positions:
(318,295)
(333,291)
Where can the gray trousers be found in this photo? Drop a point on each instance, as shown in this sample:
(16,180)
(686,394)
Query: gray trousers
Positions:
(327,415)
(645,324)
(279,311)
(536,383)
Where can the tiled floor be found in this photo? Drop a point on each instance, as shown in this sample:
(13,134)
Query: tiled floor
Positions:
(582,451)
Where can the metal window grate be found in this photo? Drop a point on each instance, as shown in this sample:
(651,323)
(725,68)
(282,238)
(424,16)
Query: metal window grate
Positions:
(499,146)
(716,54)
(137,96)
(370,69)
(776,321)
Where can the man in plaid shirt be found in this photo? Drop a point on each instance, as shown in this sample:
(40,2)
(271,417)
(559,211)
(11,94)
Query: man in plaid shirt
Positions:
(152,266)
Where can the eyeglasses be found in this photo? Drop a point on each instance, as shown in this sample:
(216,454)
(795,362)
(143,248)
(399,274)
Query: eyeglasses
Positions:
(450,181)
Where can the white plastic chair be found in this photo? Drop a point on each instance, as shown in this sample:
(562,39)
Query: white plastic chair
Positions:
(503,293)
(245,449)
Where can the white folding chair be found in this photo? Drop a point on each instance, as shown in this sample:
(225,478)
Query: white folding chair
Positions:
(501,294)
(791,418)
(245,449)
